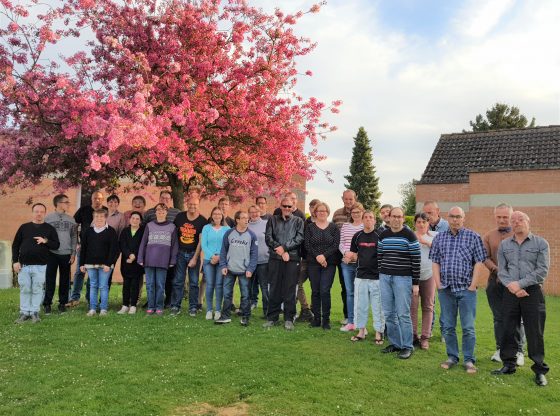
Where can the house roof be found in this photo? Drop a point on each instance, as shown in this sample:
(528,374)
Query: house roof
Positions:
(458,154)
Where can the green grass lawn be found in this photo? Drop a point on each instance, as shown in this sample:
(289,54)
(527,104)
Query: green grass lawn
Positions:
(137,365)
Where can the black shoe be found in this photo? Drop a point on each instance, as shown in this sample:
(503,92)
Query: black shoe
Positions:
(305,316)
(245,321)
(61,308)
(315,323)
(405,353)
(541,380)
(416,342)
(504,370)
(326,324)
(199,307)
(47,309)
(222,321)
(390,348)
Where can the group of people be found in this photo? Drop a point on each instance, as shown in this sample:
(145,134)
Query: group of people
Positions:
(387,267)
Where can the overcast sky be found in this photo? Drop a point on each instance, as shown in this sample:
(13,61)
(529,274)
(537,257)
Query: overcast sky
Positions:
(409,71)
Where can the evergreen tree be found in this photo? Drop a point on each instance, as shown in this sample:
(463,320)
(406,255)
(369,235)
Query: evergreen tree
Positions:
(501,116)
(362,178)
(408,194)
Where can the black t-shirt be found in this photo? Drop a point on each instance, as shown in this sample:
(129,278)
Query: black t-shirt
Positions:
(189,231)
(365,244)
(25,249)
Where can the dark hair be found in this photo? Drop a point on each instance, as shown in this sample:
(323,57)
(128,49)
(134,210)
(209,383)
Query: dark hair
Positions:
(386,206)
(223,199)
(38,204)
(113,198)
(58,198)
(260,197)
(222,222)
(101,211)
(136,213)
(165,191)
(238,215)
(139,197)
(422,215)
(161,205)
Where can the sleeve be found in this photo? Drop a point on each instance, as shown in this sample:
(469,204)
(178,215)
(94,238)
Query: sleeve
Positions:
(307,241)
(206,249)
(74,238)
(335,234)
(480,253)
(343,238)
(143,244)
(435,250)
(539,273)
(113,247)
(123,245)
(83,248)
(78,216)
(503,266)
(354,243)
(16,244)
(254,253)
(224,250)
(490,265)
(52,238)
(174,247)
(415,257)
(380,249)
(269,235)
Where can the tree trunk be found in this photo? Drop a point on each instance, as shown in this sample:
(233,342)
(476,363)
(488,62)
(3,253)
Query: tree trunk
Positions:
(177,191)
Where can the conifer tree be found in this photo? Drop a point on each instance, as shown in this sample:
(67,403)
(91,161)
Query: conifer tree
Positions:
(362,178)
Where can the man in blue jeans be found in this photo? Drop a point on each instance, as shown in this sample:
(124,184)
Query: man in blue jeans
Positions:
(458,255)
(238,260)
(189,227)
(398,254)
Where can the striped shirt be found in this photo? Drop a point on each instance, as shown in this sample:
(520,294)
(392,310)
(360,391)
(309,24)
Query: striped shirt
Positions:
(456,255)
(398,254)
(348,231)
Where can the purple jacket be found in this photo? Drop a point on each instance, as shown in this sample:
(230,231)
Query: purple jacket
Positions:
(159,245)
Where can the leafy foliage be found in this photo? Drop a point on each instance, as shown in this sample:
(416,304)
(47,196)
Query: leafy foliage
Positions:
(408,194)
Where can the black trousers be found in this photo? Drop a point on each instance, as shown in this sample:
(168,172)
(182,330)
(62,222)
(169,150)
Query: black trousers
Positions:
(60,262)
(283,279)
(342,291)
(131,288)
(495,294)
(532,310)
(322,279)
(169,286)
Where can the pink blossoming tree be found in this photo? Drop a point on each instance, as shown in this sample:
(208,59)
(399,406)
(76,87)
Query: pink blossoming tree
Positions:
(171,92)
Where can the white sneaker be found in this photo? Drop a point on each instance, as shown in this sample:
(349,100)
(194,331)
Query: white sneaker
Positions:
(348,328)
(123,310)
(520,359)
(217,315)
(132,310)
(91,312)
(344,321)
(496,357)
(103,312)
(209,315)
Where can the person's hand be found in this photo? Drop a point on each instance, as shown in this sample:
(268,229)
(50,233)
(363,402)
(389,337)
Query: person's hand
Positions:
(106,269)
(17,267)
(472,288)
(214,259)
(321,260)
(514,287)
(248,274)
(522,293)
(72,259)
(142,264)
(83,269)
(41,240)
(192,262)
(280,251)
(285,256)
(415,290)
(224,271)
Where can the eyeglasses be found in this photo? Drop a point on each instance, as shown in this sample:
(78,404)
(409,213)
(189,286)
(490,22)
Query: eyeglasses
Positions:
(286,206)
(356,212)
(455,217)
(64,202)
(398,217)
(321,211)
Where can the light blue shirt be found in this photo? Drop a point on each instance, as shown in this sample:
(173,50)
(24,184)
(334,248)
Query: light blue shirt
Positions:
(211,240)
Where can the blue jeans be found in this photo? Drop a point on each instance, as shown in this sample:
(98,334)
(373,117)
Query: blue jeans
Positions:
(155,286)
(181,267)
(367,294)
(98,282)
(31,281)
(214,282)
(244,282)
(78,281)
(396,295)
(463,302)
(349,274)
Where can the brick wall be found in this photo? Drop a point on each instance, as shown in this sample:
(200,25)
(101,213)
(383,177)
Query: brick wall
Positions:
(526,185)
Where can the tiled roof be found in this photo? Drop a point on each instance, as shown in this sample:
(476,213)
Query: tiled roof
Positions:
(458,154)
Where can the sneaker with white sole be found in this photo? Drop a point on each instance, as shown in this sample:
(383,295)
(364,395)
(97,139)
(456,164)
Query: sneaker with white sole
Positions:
(217,315)
(520,359)
(348,328)
(222,321)
(496,357)
(123,311)
(132,310)
(344,321)
(103,312)
(91,312)
(209,315)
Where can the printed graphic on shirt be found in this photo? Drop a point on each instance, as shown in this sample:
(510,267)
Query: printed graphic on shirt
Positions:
(187,232)
(364,244)
(159,237)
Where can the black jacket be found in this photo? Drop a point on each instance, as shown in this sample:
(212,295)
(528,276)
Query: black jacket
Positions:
(130,245)
(99,248)
(287,233)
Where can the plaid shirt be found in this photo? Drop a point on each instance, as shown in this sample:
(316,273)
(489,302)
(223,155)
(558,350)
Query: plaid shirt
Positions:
(456,256)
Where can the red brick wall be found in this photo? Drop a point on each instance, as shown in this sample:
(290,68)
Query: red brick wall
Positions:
(544,220)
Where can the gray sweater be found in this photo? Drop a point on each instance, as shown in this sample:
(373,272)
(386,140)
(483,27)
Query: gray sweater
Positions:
(67,231)
(259,227)
(239,251)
